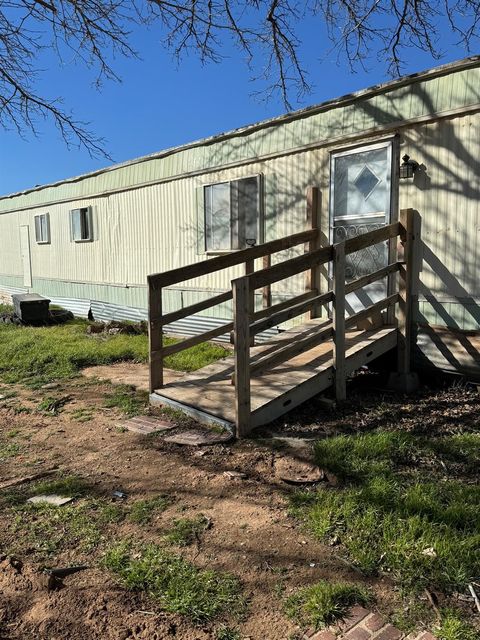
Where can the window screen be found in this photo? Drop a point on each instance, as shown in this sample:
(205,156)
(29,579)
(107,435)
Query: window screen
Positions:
(232,214)
(42,228)
(81,224)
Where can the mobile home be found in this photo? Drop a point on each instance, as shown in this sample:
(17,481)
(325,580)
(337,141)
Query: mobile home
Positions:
(89,242)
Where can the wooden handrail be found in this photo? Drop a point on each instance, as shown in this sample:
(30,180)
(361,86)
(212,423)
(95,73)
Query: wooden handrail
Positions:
(174,276)
(372,237)
(285,304)
(168,318)
(372,277)
(197,339)
(290,267)
(351,321)
(320,256)
(291,312)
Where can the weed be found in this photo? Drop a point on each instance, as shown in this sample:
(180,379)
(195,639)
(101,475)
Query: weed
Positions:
(6,394)
(82,415)
(18,408)
(106,513)
(143,511)
(410,613)
(178,585)
(53,406)
(227,633)
(186,530)
(453,628)
(72,486)
(324,602)
(126,398)
(6,308)
(13,433)
(9,450)
(47,529)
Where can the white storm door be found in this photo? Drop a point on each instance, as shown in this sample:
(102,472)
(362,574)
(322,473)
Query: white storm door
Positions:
(26,258)
(360,201)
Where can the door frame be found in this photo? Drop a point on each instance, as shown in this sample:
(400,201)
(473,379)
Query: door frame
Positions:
(24,231)
(394,142)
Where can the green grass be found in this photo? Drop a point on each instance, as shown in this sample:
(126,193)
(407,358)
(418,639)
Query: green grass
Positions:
(227,633)
(6,308)
(186,530)
(46,530)
(143,511)
(9,450)
(53,406)
(396,504)
(67,485)
(324,602)
(177,585)
(453,628)
(82,415)
(36,355)
(126,398)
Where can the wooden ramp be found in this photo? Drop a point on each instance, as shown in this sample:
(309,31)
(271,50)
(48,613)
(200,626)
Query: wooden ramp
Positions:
(209,395)
(260,383)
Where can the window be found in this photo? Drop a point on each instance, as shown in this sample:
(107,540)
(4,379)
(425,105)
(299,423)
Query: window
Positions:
(232,214)
(42,228)
(81,225)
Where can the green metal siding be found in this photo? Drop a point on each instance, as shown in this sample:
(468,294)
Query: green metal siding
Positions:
(422,97)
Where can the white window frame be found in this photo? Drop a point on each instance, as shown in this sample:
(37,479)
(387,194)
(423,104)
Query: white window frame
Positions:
(37,220)
(260,210)
(89,224)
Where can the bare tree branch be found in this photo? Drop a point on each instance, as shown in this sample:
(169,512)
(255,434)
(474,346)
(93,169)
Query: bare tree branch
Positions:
(265,32)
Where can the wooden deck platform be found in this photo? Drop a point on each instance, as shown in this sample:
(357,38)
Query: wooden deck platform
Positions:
(209,395)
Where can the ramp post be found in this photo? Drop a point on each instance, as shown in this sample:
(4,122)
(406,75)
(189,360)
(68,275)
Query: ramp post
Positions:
(339,320)
(241,332)
(313,277)
(409,252)
(155,336)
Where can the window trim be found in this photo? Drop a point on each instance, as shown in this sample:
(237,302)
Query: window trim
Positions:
(89,224)
(260,204)
(45,215)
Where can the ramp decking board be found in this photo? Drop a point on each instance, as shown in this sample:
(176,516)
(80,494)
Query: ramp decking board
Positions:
(210,392)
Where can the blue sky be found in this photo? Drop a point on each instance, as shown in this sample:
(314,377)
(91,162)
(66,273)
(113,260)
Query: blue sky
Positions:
(161,103)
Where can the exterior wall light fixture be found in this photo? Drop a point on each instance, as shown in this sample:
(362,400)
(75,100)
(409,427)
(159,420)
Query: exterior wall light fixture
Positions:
(407,168)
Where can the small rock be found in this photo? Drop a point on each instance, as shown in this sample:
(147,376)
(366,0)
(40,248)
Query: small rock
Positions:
(51,385)
(198,438)
(235,475)
(50,499)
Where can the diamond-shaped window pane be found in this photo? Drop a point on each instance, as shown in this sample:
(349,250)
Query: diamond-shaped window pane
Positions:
(366,181)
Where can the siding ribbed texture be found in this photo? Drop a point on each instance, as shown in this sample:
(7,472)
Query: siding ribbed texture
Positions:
(422,97)
(154,229)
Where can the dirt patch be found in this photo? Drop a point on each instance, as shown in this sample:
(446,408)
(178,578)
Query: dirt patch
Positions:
(131,373)
(251,533)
